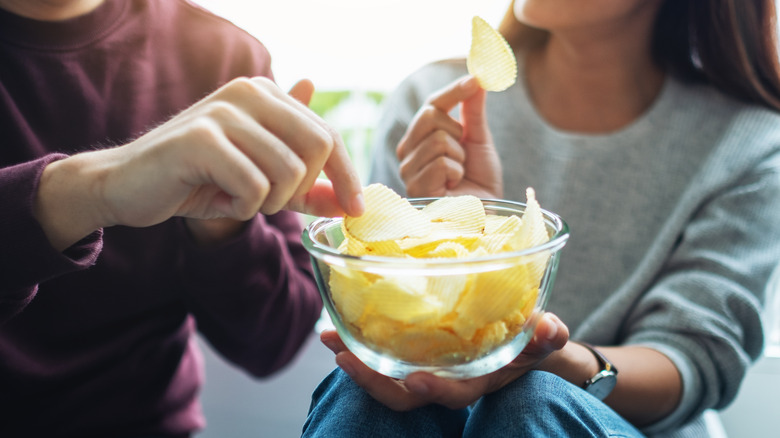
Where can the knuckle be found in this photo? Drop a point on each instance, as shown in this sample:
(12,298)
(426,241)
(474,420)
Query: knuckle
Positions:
(428,111)
(323,143)
(406,169)
(262,82)
(205,130)
(222,110)
(240,85)
(439,164)
(294,170)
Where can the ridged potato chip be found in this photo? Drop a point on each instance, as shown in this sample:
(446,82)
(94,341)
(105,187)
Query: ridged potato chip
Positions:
(491,59)
(532,232)
(492,297)
(402,299)
(387,216)
(463,214)
(348,288)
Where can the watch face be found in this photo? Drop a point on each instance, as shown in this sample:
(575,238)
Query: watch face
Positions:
(602,384)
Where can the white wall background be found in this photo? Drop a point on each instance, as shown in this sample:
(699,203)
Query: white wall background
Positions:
(357,44)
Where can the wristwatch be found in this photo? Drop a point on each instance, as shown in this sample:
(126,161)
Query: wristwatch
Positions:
(605,380)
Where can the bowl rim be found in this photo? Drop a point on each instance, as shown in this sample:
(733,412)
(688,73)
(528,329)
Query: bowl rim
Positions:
(331,255)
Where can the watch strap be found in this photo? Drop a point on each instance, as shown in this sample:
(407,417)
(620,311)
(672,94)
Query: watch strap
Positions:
(604,381)
(604,363)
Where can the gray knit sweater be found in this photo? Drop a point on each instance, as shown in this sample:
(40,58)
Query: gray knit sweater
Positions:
(674,219)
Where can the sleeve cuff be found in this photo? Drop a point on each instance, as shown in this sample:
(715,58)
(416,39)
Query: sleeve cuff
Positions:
(27,254)
(690,387)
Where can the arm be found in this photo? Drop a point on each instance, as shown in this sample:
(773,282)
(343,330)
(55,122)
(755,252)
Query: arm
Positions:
(26,256)
(248,147)
(253,296)
(245,148)
(703,312)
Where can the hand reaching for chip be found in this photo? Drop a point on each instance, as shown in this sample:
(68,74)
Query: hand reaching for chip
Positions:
(441,156)
(245,148)
(420,389)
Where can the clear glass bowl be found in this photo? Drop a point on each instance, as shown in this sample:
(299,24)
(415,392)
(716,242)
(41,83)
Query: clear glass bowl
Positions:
(398,349)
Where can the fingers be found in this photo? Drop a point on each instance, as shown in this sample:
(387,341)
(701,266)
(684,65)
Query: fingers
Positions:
(435,178)
(454,394)
(283,169)
(333,159)
(426,122)
(449,97)
(242,187)
(302,91)
(306,135)
(432,152)
(332,340)
(475,124)
(551,334)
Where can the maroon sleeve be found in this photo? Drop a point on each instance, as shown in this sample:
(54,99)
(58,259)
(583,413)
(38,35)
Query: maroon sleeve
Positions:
(254,297)
(26,256)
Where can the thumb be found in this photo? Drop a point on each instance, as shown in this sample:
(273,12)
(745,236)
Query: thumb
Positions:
(475,124)
(302,91)
(321,200)
(455,93)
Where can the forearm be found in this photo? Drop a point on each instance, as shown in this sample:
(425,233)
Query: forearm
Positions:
(253,296)
(648,384)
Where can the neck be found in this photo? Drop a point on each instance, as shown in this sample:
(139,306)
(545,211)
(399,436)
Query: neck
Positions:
(50,10)
(586,83)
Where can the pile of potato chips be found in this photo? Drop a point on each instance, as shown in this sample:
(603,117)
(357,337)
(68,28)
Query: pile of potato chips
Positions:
(436,318)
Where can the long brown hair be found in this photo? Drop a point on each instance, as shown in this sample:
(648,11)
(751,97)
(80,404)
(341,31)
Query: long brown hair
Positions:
(730,44)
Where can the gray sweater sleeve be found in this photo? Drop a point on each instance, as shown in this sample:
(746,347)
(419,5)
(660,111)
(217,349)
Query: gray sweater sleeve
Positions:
(703,310)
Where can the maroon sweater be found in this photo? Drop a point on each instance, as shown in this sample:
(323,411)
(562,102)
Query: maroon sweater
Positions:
(97,341)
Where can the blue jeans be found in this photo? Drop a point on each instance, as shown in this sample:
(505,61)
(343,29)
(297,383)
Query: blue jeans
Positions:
(539,404)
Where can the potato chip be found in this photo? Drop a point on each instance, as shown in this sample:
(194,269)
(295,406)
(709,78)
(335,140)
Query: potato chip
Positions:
(491,59)
(348,288)
(426,345)
(492,334)
(402,299)
(463,214)
(422,247)
(387,216)
(491,297)
(449,250)
(493,223)
(532,232)
(447,290)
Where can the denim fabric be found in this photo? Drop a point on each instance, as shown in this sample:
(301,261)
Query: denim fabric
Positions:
(539,404)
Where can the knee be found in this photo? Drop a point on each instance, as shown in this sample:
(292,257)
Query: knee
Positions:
(535,391)
(542,404)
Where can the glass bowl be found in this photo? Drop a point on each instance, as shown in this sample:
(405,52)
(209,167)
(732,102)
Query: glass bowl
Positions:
(448,347)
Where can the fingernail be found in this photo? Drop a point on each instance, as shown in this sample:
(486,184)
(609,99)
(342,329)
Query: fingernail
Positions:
(553,328)
(468,82)
(358,204)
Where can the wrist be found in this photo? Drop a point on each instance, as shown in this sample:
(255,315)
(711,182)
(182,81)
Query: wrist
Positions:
(212,232)
(66,205)
(573,362)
